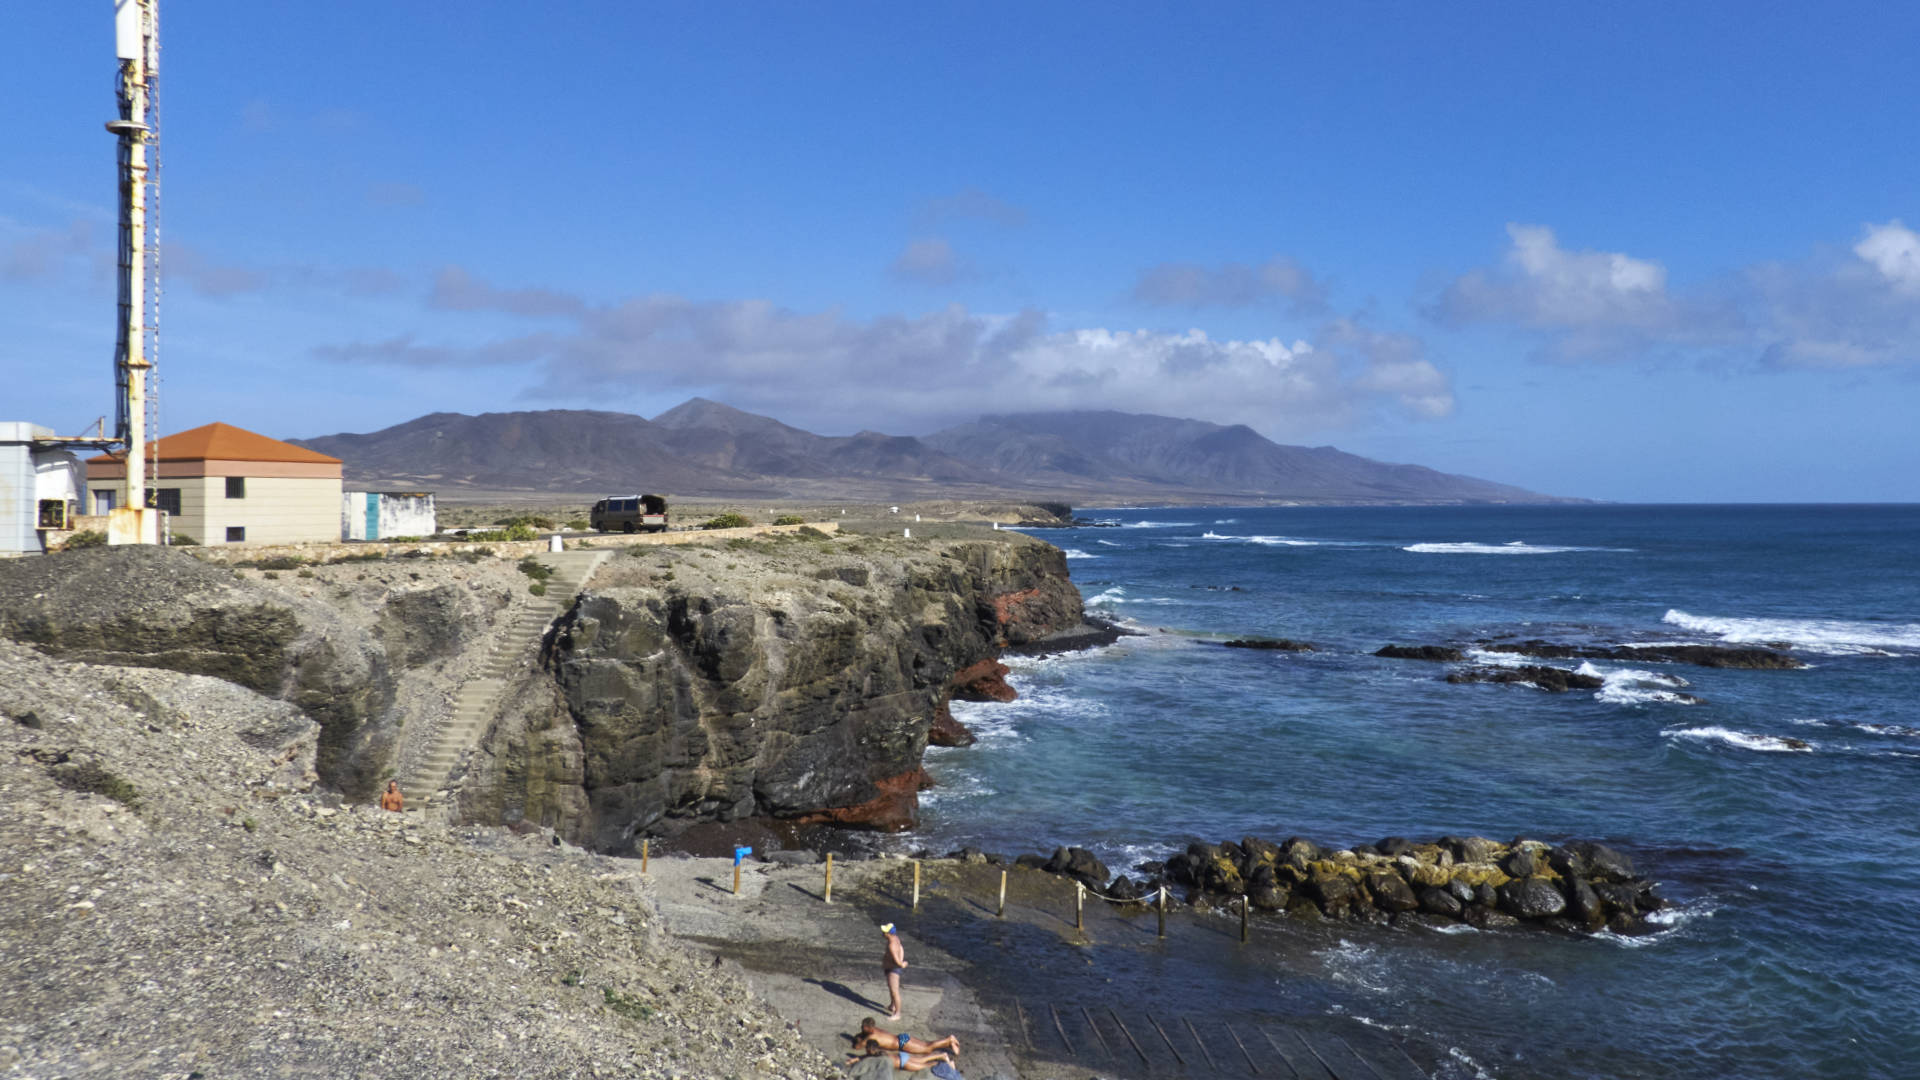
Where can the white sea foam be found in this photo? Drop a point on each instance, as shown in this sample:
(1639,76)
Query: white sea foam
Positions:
(1110,543)
(1631,686)
(1499,659)
(1076,553)
(1114,595)
(1359,966)
(1280,541)
(1515,547)
(1157,524)
(1833,637)
(1672,921)
(1896,730)
(1742,739)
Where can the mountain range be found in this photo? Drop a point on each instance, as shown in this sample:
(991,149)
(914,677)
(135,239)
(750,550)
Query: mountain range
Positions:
(703,448)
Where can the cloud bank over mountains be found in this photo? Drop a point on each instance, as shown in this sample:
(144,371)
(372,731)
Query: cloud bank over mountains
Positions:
(925,370)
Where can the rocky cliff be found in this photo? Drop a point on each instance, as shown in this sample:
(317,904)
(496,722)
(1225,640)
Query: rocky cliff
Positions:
(794,679)
(360,648)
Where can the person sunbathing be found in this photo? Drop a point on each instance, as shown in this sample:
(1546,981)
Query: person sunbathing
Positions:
(870,1029)
(941,1064)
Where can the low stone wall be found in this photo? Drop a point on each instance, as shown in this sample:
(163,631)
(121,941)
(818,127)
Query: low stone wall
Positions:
(504,549)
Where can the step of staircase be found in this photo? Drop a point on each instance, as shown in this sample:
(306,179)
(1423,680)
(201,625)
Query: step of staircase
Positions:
(477,700)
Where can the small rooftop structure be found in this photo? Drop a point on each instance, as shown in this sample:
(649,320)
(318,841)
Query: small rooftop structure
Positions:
(39,488)
(221,484)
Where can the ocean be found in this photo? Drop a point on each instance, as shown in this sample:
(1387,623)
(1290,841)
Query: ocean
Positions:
(1781,811)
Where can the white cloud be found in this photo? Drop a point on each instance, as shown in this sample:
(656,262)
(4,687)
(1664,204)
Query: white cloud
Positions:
(1542,284)
(929,262)
(914,373)
(1232,284)
(1893,250)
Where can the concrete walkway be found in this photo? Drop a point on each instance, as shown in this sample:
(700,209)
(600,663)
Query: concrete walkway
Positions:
(478,700)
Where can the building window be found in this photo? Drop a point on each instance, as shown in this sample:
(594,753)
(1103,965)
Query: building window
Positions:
(167,499)
(236,534)
(103,500)
(236,487)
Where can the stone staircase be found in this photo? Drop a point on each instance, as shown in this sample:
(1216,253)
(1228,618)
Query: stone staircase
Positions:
(478,699)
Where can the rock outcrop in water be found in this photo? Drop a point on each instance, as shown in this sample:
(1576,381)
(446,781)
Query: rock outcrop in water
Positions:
(1713,656)
(1575,886)
(1551,679)
(753,682)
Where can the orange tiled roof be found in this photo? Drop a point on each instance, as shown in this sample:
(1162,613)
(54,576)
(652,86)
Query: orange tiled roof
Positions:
(224,442)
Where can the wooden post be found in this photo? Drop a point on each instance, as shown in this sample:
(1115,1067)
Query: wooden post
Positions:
(1079,906)
(643,855)
(1002,913)
(916,884)
(1163,911)
(829,891)
(1243,917)
(736,879)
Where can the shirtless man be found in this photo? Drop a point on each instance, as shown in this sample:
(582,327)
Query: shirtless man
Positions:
(893,963)
(870,1029)
(908,1062)
(390,798)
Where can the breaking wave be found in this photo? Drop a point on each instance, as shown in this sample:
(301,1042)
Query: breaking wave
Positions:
(1833,637)
(1631,686)
(1076,553)
(1742,739)
(1514,547)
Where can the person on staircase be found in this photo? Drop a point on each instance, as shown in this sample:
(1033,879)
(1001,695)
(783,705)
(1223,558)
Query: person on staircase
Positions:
(390,799)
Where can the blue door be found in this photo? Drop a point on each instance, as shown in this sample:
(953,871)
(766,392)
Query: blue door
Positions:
(373,516)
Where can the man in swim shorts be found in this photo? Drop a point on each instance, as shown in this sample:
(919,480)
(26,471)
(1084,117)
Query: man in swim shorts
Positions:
(940,1064)
(870,1029)
(892,964)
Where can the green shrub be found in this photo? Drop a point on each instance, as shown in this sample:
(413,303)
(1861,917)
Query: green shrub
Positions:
(810,533)
(789,519)
(520,531)
(531,521)
(182,540)
(304,572)
(729,520)
(579,524)
(474,555)
(537,588)
(376,555)
(535,569)
(86,538)
(627,1005)
(402,539)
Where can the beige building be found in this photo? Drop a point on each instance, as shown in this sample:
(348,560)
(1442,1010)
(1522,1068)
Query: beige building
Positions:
(225,485)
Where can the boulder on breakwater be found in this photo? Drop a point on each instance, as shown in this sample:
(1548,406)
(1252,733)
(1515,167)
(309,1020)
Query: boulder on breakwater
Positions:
(1576,886)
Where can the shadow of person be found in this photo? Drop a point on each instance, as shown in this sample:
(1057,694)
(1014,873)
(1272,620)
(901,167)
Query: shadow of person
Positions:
(842,990)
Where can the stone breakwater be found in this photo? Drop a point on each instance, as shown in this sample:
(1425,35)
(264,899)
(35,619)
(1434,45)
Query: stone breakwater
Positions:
(1575,886)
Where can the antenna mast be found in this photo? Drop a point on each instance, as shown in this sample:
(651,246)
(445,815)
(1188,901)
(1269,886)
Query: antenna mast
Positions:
(136,32)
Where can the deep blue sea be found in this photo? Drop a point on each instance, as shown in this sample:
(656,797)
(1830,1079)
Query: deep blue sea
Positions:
(1795,948)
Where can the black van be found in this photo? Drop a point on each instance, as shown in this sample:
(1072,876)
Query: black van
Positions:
(630,513)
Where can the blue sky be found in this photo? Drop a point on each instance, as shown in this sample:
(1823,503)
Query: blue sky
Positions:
(1637,252)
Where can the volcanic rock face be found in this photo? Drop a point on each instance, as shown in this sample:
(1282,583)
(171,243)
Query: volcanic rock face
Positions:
(745,683)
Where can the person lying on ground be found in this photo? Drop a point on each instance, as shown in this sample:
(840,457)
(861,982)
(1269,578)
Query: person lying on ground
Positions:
(870,1029)
(940,1064)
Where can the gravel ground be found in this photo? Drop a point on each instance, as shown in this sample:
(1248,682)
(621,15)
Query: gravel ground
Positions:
(177,899)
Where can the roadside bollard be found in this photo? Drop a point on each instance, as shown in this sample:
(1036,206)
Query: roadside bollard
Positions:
(828,894)
(739,854)
(1002,913)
